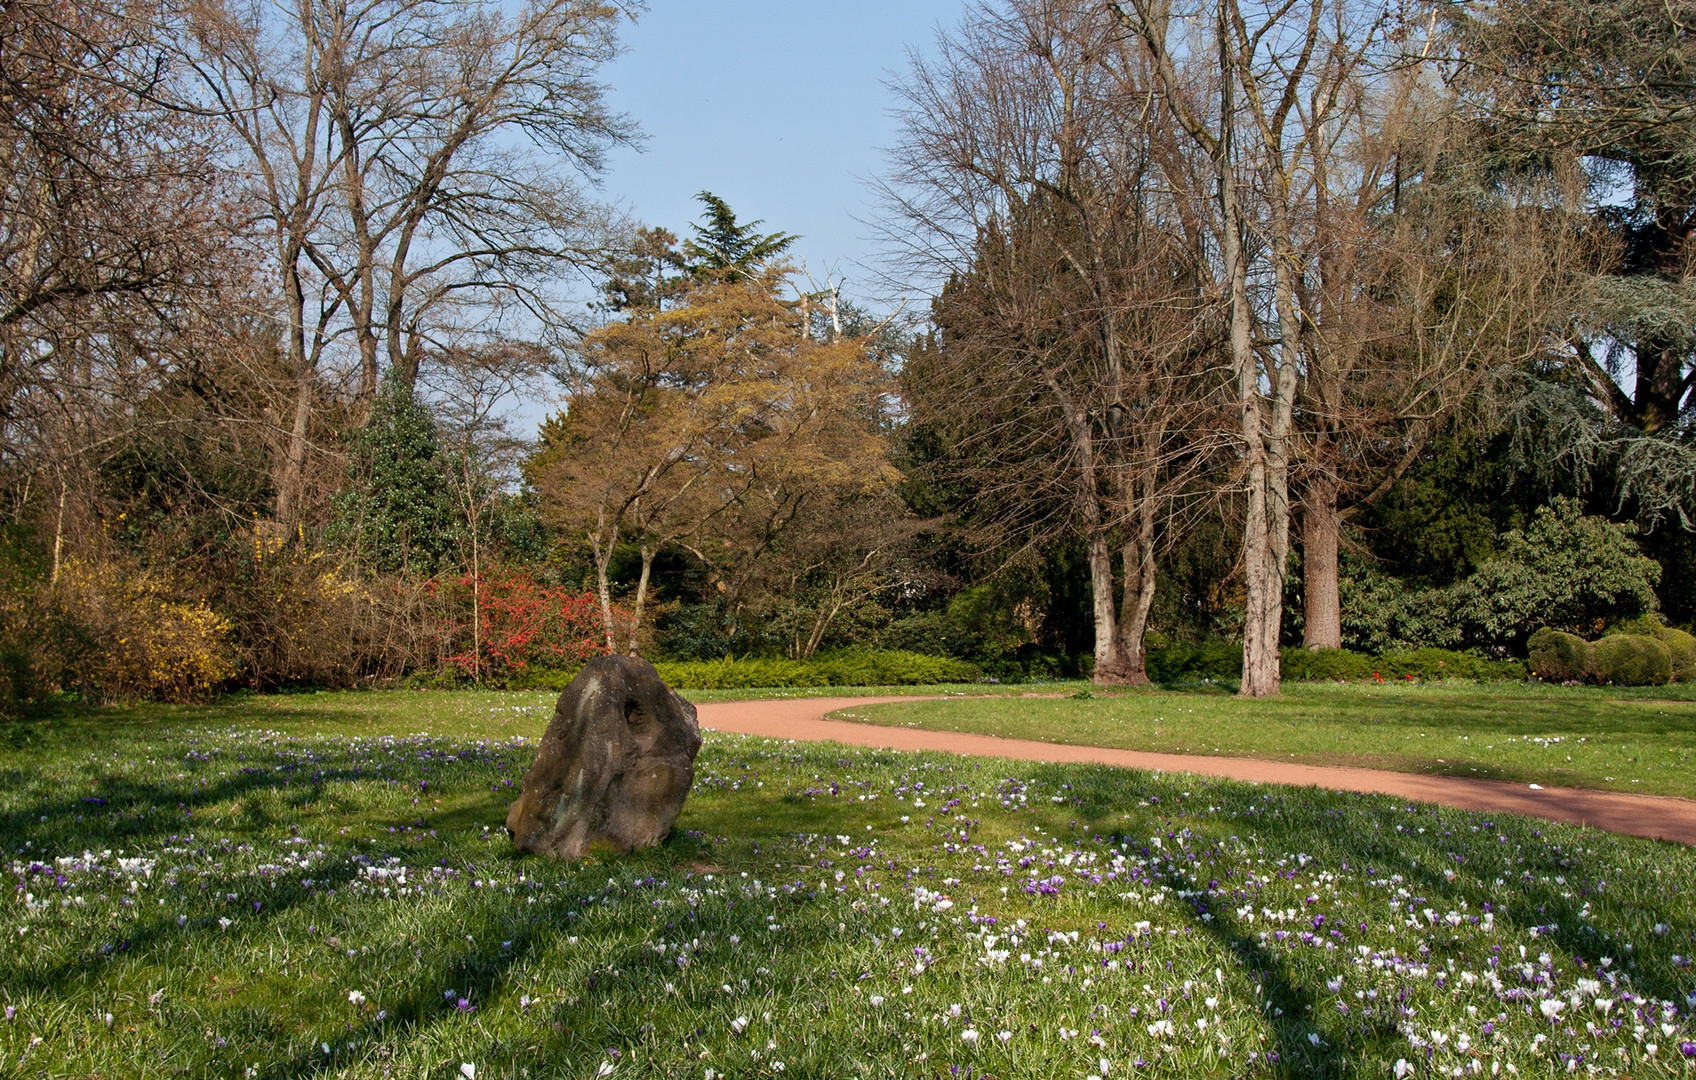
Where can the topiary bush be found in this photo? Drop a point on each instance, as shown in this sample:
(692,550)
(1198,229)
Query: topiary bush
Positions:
(1682,646)
(1631,660)
(1559,657)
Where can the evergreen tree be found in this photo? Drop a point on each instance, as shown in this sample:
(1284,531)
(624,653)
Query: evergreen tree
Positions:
(397,511)
(723,245)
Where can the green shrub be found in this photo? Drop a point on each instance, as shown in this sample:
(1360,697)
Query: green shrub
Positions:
(884,667)
(1682,646)
(1566,570)
(1632,660)
(1426,665)
(1560,657)
(1325,665)
(1218,661)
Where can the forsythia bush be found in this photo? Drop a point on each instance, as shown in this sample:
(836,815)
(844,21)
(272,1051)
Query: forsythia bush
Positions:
(139,641)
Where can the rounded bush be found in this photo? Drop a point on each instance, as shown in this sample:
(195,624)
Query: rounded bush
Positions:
(1559,657)
(1632,660)
(1682,646)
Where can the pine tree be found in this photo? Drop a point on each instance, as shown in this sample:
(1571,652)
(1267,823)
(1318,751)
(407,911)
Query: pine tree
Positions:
(724,246)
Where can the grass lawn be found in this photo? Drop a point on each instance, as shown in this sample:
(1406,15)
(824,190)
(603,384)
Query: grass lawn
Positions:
(1641,740)
(318,885)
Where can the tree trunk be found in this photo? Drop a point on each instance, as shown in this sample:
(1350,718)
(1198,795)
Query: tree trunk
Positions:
(1321,526)
(641,595)
(1110,669)
(1138,601)
(291,472)
(602,546)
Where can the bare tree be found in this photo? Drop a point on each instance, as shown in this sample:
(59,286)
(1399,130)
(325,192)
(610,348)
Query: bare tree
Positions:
(1074,345)
(412,164)
(113,246)
(1263,92)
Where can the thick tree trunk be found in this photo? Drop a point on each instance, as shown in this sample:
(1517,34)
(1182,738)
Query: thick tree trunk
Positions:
(1138,600)
(291,472)
(1321,527)
(1110,669)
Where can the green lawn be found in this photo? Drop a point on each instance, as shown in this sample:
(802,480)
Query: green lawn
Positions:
(1622,740)
(318,886)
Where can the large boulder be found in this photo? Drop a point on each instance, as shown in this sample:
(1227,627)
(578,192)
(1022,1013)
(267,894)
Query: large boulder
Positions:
(614,766)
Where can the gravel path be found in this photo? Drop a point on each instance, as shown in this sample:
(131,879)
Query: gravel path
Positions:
(805,719)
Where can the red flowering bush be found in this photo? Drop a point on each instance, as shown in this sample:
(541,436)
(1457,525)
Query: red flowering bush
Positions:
(522,623)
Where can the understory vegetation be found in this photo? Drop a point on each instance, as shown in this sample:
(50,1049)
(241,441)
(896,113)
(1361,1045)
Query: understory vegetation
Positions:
(324,887)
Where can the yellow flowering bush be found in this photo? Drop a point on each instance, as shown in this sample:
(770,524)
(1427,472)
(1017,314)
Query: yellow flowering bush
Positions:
(139,641)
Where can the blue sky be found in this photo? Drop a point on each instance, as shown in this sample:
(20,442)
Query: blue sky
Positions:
(778,107)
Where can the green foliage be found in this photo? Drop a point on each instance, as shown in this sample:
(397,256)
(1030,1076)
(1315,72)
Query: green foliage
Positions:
(1557,656)
(397,511)
(1222,662)
(1211,661)
(724,245)
(1567,570)
(1439,522)
(882,667)
(1424,665)
(1631,660)
(1380,613)
(1682,646)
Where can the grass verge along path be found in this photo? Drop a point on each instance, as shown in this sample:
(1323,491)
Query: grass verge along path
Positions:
(831,719)
(1636,741)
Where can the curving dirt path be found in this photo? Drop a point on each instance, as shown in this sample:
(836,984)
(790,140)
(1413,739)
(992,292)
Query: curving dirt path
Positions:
(805,719)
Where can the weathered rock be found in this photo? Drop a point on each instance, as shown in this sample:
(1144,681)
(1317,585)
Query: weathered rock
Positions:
(614,766)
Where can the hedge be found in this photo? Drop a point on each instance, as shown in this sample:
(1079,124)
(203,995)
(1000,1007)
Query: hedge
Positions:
(1221,662)
(861,668)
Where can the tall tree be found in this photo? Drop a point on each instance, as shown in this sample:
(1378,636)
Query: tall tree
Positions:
(1070,367)
(412,163)
(1606,85)
(702,423)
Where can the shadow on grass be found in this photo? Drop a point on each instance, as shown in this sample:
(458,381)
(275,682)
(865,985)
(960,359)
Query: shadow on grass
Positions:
(1441,861)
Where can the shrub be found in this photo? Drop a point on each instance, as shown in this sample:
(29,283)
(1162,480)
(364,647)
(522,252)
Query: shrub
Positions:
(142,643)
(1325,665)
(1331,665)
(1560,657)
(525,623)
(1682,646)
(1567,570)
(1679,643)
(1631,660)
(1219,661)
(858,668)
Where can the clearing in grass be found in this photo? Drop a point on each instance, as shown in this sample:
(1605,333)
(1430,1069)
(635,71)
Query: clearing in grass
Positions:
(195,895)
